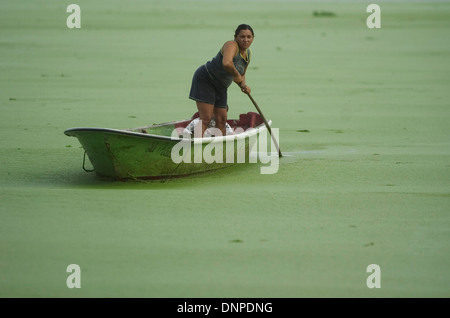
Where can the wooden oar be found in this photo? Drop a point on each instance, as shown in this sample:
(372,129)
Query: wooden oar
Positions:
(267,125)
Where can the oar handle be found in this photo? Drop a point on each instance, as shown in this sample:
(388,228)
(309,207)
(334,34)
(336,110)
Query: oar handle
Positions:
(266,123)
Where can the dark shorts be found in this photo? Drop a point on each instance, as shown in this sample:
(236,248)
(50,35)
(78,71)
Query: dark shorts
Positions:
(206,90)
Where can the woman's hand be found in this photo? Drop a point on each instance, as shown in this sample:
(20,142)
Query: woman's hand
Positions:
(240,81)
(245,89)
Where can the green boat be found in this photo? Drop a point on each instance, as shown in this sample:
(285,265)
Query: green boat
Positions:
(167,150)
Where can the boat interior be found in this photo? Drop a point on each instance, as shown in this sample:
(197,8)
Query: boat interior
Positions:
(245,121)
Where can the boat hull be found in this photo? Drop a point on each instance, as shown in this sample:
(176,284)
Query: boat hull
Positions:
(123,154)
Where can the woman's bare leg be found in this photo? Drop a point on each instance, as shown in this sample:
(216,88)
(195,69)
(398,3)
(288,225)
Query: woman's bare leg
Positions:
(206,112)
(220,116)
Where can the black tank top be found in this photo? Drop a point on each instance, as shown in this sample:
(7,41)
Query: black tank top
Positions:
(216,70)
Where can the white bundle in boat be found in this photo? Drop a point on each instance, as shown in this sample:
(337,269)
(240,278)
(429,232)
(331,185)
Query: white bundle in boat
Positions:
(191,126)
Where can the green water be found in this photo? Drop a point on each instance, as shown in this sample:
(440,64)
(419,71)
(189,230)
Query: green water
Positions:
(363,116)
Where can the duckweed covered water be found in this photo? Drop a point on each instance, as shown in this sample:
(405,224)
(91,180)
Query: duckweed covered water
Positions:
(364,128)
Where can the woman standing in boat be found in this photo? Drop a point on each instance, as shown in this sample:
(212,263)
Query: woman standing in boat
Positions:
(211,80)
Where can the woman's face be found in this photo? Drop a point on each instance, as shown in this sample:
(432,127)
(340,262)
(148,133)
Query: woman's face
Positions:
(244,39)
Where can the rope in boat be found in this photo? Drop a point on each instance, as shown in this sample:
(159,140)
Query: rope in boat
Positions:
(173,171)
(84,161)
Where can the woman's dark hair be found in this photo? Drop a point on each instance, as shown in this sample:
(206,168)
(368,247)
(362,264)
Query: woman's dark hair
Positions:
(243,27)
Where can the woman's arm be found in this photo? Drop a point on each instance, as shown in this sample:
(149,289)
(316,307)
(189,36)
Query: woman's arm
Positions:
(229,50)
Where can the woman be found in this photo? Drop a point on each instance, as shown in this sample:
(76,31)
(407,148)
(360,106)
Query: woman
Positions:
(211,81)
